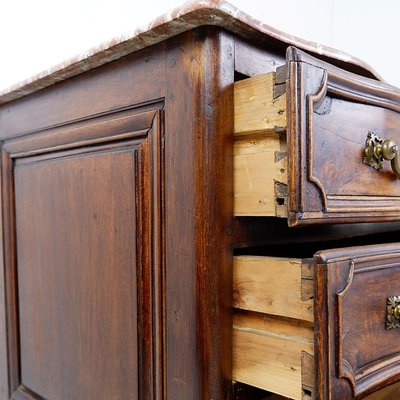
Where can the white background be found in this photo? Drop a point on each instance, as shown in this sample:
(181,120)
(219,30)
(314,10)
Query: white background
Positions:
(38,34)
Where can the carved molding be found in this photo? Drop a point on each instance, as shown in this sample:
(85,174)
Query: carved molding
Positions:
(142,133)
(313,102)
(311,82)
(343,274)
(345,369)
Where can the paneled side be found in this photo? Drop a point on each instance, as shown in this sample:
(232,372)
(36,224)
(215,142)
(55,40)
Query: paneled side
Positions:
(84,263)
(77,268)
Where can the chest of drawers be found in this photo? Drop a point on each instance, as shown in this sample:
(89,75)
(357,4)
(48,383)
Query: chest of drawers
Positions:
(151,194)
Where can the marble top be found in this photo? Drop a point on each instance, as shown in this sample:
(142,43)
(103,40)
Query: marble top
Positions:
(191,15)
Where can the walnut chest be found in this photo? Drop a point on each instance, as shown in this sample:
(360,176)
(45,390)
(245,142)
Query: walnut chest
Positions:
(208,209)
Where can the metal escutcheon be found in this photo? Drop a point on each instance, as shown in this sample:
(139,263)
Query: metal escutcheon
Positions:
(393,312)
(377,150)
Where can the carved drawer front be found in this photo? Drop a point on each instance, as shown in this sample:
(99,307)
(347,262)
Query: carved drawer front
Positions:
(300,145)
(324,328)
(357,320)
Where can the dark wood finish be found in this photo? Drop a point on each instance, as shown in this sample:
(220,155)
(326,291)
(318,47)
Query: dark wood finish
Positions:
(355,354)
(118,230)
(328,180)
(76,270)
(199,204)
(84,295)
(79,324)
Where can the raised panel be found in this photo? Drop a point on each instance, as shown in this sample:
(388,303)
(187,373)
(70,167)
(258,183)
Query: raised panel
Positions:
(77,268)
(84,264)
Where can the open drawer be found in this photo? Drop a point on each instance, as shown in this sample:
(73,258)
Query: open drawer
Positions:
(300,140)
(321,328)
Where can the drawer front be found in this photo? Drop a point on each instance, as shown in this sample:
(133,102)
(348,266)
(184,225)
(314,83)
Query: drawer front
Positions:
(330,113)
(300,139)
(357,333)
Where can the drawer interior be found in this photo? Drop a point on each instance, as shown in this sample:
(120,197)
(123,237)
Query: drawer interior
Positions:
(273,336)
(260,156)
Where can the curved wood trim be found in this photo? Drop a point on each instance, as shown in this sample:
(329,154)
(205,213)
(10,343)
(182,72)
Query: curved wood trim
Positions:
(337,377)
(310,81)
(345,369)
(313,102)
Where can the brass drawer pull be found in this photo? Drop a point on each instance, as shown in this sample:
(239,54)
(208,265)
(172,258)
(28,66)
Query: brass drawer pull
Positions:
(377,150)
(393,312)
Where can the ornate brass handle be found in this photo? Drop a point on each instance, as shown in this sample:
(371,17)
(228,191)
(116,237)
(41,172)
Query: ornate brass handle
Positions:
(393,312)
(377,150)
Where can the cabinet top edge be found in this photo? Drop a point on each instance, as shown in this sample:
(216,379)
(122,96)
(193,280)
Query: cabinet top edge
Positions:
(191,15)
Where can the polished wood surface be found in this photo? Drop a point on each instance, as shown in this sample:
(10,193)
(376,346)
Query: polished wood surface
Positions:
(310,137)
(119,84)
(76,268)
(74,260)
(273,329)
(199,205)
(330,114)
(110,158)
(355,352)
(119,234)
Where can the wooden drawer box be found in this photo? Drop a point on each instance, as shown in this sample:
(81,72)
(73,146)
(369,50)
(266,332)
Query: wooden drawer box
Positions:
(307,328)
(300,137)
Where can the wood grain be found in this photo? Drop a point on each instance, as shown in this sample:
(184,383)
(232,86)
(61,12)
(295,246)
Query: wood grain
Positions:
(267,353)
(4,387)
(392,392)
(256,109)
(271,285)
(199,202)
(329,116)
(76,268)
(79,260)
(352,283)
(260,166)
